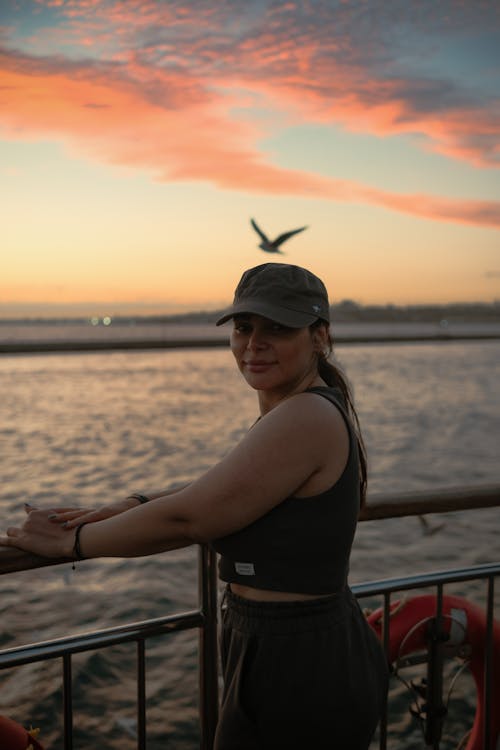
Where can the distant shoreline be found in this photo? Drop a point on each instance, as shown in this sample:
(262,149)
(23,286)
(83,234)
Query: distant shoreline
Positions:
(41,347)
(343,312)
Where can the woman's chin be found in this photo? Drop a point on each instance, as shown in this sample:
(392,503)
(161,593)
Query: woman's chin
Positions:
(260,381)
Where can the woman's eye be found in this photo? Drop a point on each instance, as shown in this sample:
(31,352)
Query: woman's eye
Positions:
(278,328)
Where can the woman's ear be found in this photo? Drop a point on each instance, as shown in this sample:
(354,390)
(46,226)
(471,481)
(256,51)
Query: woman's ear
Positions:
(320,338)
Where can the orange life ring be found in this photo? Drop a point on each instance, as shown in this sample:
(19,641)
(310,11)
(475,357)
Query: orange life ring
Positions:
(465,623)
(15,737)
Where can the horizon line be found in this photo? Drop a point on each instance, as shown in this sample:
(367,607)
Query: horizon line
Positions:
(65,311)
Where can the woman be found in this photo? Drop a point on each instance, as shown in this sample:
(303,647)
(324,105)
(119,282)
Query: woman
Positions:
(302,669)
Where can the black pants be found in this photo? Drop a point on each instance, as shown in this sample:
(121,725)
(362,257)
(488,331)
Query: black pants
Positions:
(299,675)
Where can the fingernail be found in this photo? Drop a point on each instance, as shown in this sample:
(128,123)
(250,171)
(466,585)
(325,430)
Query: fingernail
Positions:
(27,505)
(64,525)
(51,516)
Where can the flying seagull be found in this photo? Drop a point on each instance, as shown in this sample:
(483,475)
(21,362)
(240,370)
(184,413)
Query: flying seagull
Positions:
(273,246)
(427,528)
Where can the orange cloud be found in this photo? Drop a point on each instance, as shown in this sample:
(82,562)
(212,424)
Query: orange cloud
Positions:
(167,123)
(360,65)
(161,92)
(362,103)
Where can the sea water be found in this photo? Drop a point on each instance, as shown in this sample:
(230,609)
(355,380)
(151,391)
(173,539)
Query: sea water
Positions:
(86,429)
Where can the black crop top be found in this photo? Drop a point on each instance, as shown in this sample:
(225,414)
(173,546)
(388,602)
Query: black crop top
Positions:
(302,545)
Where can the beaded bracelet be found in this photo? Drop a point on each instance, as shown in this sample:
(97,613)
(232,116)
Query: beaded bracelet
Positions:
(141,498)
(77,550)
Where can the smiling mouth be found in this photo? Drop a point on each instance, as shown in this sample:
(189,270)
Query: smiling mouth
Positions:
(258,364)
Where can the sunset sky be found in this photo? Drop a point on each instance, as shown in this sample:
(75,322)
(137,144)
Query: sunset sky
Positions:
(138,138)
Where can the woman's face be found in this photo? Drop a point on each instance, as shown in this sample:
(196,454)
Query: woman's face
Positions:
(273,357)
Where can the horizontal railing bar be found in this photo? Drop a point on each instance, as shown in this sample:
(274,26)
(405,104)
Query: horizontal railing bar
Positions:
(100,638)
(394,505)
(444,500)
(171,623)
(14,560)
(422,580)
(42,347)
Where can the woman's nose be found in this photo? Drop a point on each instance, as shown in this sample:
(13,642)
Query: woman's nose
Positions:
(256,341)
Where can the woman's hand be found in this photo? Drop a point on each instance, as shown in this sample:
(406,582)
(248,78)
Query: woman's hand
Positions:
(72,517)
(40,536)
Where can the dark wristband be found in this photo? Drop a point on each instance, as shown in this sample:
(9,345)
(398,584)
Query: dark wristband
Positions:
(77,550)
(139,497)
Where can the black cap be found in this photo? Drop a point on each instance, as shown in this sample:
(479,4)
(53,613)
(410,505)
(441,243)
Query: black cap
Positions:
(290,295)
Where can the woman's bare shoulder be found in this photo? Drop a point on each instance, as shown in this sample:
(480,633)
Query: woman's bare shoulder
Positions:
(310,410)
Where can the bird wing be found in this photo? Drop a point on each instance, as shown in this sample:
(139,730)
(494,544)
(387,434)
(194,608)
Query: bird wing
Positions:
(286,235)
(258,230)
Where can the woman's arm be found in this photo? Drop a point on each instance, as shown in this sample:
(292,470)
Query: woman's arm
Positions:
(72,517)
(274,460)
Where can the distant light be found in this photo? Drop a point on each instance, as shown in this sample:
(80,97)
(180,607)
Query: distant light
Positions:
(106,321)
(94,321)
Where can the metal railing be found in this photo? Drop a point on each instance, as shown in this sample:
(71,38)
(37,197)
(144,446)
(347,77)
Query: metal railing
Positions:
(205,619)
(437,637)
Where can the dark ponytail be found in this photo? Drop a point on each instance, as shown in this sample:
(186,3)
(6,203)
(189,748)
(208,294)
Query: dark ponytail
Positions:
(334,377)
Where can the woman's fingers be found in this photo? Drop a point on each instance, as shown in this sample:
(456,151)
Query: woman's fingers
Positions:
(54,522)
(11,533)
(99,514)
(57,514)
(88,517)
(70,517)
(11,537)
(36,522)
(40,536)
(62,515)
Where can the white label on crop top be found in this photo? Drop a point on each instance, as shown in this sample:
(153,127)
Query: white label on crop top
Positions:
(244,568)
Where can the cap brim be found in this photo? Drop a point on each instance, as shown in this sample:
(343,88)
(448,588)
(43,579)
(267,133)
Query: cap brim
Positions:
(281,315)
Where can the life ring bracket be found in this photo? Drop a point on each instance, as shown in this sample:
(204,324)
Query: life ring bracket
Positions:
(461,631)
(462,653)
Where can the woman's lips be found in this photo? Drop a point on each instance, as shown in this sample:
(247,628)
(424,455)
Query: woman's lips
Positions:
(258,365)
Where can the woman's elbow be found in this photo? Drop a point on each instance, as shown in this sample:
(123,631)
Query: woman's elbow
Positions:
(193,530)
(200,534)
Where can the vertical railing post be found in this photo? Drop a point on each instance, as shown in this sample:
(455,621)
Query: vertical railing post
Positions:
(386,624)
(435,710)
(488,664)
(141,695)
(67,702)
(208,672)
